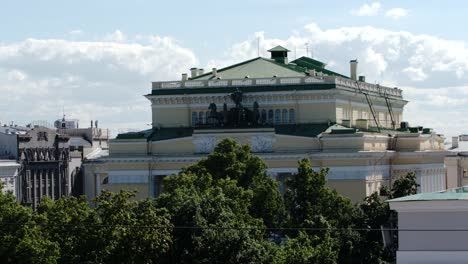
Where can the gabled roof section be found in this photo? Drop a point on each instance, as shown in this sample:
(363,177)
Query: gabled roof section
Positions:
(256,68)
(311,64)
(278,48)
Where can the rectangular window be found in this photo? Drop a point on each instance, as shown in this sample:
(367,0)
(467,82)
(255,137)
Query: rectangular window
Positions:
(465,173)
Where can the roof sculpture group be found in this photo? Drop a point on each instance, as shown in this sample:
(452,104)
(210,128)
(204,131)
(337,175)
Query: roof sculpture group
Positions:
(238,116)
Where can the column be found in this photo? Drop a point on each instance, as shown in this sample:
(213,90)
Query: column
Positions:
(40,172)
(52,183)
(34,190)
(59,182)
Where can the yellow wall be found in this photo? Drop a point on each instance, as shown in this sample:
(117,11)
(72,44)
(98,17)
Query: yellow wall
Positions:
(171,117)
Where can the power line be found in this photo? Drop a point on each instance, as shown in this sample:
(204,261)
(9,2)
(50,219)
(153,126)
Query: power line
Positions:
(243,228)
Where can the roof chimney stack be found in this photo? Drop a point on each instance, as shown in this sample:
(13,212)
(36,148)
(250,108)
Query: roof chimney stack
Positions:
(200,72)
(184,77)
(214,72)
(353,67)
(454,142)
(193,72)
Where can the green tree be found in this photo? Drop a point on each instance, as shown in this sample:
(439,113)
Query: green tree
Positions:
(404,186)
(229,160)
(307,248)
(307,198)
(199,205)
(377,213)
(119,230)
(73,225)
(21,238)
(131,231)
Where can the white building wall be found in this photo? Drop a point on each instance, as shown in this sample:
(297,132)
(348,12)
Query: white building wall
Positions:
(429,231)
(8,175)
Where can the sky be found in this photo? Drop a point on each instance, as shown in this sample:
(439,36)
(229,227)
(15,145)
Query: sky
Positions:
(94,60)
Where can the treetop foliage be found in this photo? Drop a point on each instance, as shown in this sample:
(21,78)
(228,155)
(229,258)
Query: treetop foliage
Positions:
(223,209)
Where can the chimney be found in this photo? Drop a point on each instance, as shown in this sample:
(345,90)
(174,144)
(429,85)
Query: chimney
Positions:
(454,142)
(346,122)
(200,72)
(214,72)
(362,78)
(193,72)
(184,77)
(353,67)
(362,123)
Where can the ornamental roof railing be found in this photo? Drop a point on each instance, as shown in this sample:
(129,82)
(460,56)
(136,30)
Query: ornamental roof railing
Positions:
(341,83)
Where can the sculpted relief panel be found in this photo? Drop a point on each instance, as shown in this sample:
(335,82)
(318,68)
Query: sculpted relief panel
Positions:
(262,143)
(204,144)
(259,143)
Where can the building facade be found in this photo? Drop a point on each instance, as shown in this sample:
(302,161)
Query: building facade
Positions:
(8,176)
(432,227)
(456,163)
(286,112)
(44,156)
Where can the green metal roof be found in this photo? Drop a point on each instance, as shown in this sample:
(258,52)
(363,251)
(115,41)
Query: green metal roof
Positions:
(255,68)
(303,130)
(265,68)
(135,135)
(460,193)
(278,48)
(311,64)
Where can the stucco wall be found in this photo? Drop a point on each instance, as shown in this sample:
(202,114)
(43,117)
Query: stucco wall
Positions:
(433,240)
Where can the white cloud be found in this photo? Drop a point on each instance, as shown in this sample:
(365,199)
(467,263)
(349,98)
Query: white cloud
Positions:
(116,36)
(396,13)
(106,79)
(415,74)
(372,9)
(432,71)
(102,80)
(76,32)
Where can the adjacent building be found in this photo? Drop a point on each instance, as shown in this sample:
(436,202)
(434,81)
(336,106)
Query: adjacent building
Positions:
(456,163)
(8,176)
(40,161)
(286,111)
(433,227)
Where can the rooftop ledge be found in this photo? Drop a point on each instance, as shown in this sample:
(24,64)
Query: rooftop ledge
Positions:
(341,83)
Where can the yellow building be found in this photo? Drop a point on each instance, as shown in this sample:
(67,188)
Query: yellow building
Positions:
(286,112)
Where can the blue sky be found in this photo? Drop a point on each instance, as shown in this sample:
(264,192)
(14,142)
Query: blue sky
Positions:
(96,58)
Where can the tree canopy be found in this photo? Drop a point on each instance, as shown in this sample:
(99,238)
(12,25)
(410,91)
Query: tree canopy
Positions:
(223,209)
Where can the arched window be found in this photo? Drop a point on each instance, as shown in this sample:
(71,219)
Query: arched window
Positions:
(201,118)
(277,116)
(194,118)
(284,116)
(270,116)
(263,117)
(292,116)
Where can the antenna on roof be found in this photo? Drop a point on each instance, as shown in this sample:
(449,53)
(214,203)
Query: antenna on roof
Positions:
(258,46)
